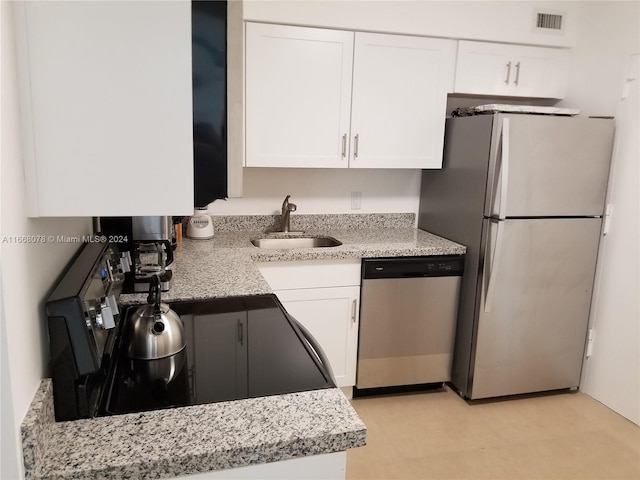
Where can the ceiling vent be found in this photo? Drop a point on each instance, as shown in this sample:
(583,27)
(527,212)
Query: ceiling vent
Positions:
(549,22)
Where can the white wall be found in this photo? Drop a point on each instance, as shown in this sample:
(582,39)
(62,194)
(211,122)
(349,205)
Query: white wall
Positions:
(609,35)
(28,271)
(324,191)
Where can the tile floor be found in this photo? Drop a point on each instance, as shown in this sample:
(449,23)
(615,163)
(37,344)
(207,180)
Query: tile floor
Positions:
(437,435)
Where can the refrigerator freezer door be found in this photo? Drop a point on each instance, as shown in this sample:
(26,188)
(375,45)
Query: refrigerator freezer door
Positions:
(531,333)
(553,167)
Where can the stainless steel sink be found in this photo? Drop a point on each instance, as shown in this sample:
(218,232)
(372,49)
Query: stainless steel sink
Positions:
(296,242)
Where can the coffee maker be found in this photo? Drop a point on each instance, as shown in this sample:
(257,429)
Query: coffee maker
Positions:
(148,241)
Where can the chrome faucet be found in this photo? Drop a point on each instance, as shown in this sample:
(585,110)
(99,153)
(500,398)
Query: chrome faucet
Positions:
(285,218)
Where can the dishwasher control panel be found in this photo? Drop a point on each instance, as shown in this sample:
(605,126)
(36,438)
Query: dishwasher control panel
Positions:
(407,267)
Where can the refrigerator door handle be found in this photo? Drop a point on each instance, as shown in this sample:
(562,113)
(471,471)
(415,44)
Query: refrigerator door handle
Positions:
(492,270)
(504,167)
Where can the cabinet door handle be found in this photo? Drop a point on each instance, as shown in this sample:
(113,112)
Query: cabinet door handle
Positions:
(344,145)
(508,73)
(355,146)
(353,310)
(240,333)
(517,73)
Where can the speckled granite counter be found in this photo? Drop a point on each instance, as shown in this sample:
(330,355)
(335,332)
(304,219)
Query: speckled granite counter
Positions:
(225,265)
(181,441)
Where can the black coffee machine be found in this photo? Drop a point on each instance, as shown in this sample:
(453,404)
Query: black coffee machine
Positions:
(148,242)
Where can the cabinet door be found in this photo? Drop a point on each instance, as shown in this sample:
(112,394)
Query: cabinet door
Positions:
(331,315)
(483,68)
(510,70)
(106,101)
(400,87)
(298,95)
(542,72)
(226,364)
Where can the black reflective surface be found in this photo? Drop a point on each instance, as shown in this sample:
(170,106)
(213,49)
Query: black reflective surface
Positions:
(240,347)
(209,76)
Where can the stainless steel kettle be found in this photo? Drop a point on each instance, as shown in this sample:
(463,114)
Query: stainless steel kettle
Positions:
(156,331)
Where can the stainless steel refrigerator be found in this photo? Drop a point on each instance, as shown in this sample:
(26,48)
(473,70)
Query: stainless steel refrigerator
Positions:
(525,193)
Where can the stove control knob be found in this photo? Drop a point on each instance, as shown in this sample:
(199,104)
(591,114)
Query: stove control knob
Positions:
(110,300)
(125,262)
(90,316)
(97,319)
(107,319)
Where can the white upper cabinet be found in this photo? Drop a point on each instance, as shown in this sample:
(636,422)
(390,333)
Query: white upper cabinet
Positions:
(400,87)
(106,106)
(298,96)
(323,98)
(510,70)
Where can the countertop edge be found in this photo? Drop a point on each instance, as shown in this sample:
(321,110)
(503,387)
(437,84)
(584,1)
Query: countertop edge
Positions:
(34,429)
(340,430)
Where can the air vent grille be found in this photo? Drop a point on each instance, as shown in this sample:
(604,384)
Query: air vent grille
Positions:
(549,21)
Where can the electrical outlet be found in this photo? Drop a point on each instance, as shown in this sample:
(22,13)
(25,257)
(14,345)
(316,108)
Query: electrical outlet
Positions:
(356,200)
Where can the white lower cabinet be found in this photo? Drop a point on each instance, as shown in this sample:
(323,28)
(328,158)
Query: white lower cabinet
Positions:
(331,315)
(325,297)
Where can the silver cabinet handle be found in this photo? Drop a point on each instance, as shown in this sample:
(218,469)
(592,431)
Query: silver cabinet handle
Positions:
(353,310)
(355,146)
(344,145)
(508,73)
(517,73)
(240,333)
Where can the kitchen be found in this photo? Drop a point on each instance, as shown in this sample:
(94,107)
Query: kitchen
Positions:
(29,271)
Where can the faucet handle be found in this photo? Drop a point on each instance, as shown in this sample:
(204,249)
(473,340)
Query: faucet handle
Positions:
(285,203)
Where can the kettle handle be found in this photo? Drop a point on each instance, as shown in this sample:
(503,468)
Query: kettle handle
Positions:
(169,249)
(154,294)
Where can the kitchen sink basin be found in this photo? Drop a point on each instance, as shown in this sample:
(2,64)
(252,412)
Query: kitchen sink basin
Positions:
(296,242)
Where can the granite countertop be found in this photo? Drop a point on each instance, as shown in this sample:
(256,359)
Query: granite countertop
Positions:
(187,440)
(181,441)
(226,264)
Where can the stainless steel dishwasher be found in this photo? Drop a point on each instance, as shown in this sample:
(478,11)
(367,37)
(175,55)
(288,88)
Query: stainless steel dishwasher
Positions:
(408,316)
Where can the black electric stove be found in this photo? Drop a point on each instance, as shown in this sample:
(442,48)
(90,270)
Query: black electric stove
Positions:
(238,347)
